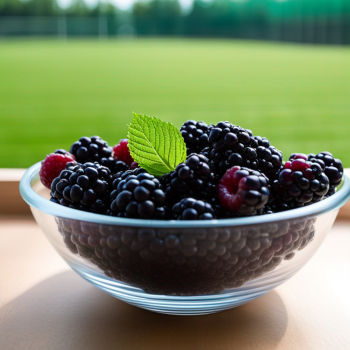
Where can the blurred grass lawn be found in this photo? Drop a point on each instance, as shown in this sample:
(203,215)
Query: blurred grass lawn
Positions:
(52,92)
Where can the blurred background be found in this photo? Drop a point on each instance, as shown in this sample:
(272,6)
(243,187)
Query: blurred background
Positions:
(72,68)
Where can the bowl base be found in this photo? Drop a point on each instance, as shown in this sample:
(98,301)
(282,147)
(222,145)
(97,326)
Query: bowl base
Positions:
(168,304)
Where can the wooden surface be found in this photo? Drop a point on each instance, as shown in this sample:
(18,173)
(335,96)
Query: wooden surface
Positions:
(44,305)
(11,201)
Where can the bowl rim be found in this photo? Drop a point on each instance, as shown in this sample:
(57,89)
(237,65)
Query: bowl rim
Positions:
(33,199)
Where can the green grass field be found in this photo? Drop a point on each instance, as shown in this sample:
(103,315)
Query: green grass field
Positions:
(52,92)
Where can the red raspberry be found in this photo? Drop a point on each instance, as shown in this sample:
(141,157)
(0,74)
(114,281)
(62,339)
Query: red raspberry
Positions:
(121,152)
(52,166)
(242,190)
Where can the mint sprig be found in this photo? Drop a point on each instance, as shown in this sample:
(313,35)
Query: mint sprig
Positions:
(156,145)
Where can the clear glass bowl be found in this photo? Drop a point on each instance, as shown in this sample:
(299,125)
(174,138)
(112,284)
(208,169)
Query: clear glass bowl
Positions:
(183,267)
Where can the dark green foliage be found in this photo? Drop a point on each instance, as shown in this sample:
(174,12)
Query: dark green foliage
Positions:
(28,8)
(316,21)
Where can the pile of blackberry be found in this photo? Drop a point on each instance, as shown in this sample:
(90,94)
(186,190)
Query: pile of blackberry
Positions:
(228,173)
(186,262)
(262,185)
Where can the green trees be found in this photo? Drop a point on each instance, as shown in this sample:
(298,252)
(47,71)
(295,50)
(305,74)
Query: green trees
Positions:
(316,21)
(157,17)
(28,8)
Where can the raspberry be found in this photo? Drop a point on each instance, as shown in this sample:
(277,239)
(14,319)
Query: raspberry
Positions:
(90,149)
(300,182)
(51,167)
(242,190)
(121,152)
(190,209)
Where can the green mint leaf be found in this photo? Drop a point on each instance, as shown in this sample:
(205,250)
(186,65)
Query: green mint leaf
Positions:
(157,146)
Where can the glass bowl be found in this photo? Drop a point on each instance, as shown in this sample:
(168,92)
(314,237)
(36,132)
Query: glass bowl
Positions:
(183,267)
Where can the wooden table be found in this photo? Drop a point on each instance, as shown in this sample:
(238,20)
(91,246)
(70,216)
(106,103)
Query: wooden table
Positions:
(45,305)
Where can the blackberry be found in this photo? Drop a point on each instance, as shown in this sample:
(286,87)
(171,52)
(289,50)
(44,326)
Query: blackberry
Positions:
(269,208)
(300,182)
(191,179)
(120,176)
(231,145)
(278,203)
(83,187)
(270,159)
(138,194)
(114,165)
(90,149)
(242,190)
(332,167)
(195,261)
(331,191)
(195,135)
(191,209)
